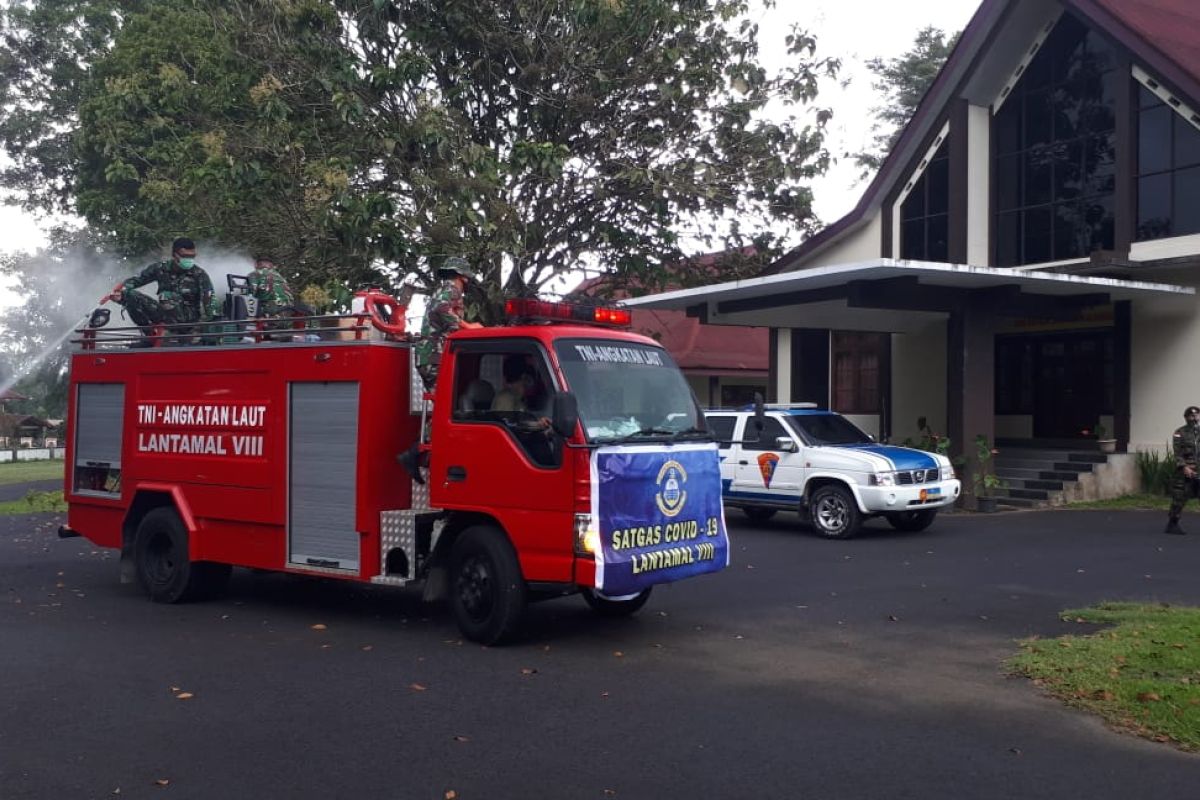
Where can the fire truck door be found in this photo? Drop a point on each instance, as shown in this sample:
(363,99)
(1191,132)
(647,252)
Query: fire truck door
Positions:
(322,460)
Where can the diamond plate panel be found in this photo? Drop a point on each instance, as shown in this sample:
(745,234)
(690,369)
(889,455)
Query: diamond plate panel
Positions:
(416,386)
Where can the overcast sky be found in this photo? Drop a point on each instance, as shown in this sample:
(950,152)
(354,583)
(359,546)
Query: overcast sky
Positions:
(855,30)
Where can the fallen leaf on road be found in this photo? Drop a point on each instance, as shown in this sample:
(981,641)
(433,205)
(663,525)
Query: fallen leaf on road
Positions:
(618,654)
(184,696)
(450,795)
(162,782)
(528,671)
(462,738)
(318,627)
(893,618)
(368,648)
(416,687)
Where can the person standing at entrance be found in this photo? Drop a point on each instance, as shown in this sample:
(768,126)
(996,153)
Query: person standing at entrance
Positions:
(1186,484)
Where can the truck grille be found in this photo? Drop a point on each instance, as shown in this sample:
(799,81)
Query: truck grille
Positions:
(917,476)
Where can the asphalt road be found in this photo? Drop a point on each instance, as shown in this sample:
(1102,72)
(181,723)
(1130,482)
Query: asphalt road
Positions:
(809,669)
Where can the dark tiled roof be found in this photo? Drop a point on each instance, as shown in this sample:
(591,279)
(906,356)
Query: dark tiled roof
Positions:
(1163,33)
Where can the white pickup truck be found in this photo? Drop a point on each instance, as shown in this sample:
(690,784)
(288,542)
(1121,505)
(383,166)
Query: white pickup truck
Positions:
(819,463)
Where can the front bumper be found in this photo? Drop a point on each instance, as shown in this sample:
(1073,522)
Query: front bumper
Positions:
(881,499)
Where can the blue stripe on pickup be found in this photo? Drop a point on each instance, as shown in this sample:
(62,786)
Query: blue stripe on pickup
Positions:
(902,458)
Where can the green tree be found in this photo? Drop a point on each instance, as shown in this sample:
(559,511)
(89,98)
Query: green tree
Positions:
(903,81)
(535,137)
(57,287)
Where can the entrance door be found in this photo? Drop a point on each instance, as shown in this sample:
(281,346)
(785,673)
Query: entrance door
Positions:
(1072,383)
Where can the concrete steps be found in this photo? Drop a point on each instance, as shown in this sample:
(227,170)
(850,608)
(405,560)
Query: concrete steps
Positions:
(1042,477)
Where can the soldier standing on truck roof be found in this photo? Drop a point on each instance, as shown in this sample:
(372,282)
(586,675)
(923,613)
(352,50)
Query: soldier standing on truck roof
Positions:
(185,292)
(1186,484)
(443,316)
(268,286)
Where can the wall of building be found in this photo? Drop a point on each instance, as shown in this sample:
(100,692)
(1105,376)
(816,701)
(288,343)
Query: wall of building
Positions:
(1166,364)
(865,244)
(918,381)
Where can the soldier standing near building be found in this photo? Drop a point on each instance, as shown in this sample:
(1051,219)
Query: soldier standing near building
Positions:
(268,286)
(1186,485)
(443,316)
(185,292)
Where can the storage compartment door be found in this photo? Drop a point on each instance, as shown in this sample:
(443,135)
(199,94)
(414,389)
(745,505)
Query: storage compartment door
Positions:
(323,450)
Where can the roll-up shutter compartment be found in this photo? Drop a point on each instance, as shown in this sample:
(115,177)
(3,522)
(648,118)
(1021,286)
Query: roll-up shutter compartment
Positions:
(323,450)
(99,427)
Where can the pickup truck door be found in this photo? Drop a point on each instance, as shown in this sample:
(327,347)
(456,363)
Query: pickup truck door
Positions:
(761,470)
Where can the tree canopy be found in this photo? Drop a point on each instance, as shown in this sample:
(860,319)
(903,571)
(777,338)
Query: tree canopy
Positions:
(903,81)
(365,140)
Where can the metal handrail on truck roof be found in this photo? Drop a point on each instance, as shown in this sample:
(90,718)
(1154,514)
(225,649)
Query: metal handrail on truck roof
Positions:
(233,333)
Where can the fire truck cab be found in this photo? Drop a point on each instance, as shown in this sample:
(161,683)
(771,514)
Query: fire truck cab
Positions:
(563,458)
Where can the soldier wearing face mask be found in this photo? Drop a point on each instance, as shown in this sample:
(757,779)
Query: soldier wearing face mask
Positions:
(185,292)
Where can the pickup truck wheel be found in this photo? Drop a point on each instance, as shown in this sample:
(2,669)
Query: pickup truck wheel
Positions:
(164,568)
(912,521)
(613,607)
(487,592)
(758,514)
(833,512)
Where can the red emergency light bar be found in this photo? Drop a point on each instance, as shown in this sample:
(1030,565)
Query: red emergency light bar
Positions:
(544,310)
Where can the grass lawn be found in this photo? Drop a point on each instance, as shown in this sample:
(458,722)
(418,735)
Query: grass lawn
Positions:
(1141,673)
(34,502)
(1129,502)
(24,471)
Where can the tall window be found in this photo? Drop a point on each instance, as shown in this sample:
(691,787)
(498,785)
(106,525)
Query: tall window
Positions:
(859,360)
(1168,170)
(925,213)
(1055,164)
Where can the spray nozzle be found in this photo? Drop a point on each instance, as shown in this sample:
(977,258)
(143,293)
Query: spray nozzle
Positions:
(99,318)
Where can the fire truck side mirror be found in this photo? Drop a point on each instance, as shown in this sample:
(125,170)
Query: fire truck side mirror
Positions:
(566,414)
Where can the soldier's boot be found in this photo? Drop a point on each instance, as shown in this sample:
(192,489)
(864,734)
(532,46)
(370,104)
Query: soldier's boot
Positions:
(1173,527)
(410,459)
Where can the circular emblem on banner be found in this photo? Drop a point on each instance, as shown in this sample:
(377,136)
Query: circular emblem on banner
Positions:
(671,493)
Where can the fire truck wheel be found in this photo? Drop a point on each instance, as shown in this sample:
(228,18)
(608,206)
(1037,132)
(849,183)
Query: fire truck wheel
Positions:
(488,592)
(163,567)
(616,607)
(834,513)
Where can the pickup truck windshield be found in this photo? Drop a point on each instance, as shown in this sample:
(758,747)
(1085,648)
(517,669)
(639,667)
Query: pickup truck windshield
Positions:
(827,429)
(628,391)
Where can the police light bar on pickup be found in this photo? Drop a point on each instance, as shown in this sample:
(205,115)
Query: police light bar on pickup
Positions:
(546,311)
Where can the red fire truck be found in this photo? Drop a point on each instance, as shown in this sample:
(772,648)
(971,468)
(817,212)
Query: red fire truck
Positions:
(564,455)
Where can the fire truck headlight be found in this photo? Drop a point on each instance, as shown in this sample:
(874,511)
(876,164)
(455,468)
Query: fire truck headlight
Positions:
(587,537)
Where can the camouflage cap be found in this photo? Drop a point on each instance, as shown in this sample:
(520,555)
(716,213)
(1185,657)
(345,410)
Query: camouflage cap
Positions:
(1187,412)
(455,265)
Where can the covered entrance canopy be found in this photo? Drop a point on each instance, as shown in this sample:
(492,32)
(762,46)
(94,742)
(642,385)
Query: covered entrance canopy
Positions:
(974,304)
(893,296)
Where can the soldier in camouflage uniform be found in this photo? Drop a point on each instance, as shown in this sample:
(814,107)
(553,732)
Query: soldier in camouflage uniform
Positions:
(185,292)
(443,316)
(269,288)
(1186,485)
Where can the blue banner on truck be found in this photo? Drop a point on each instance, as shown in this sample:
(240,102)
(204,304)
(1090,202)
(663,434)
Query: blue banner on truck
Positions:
(659,514)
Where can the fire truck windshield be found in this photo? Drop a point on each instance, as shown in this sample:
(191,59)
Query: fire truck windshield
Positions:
(629,391)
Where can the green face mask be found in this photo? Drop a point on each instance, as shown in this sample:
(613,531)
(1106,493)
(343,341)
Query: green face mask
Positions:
(187,263)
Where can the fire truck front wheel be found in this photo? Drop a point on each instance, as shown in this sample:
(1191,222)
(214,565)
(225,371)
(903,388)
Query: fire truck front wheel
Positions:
(164,569)
(616,606)
(487,592)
